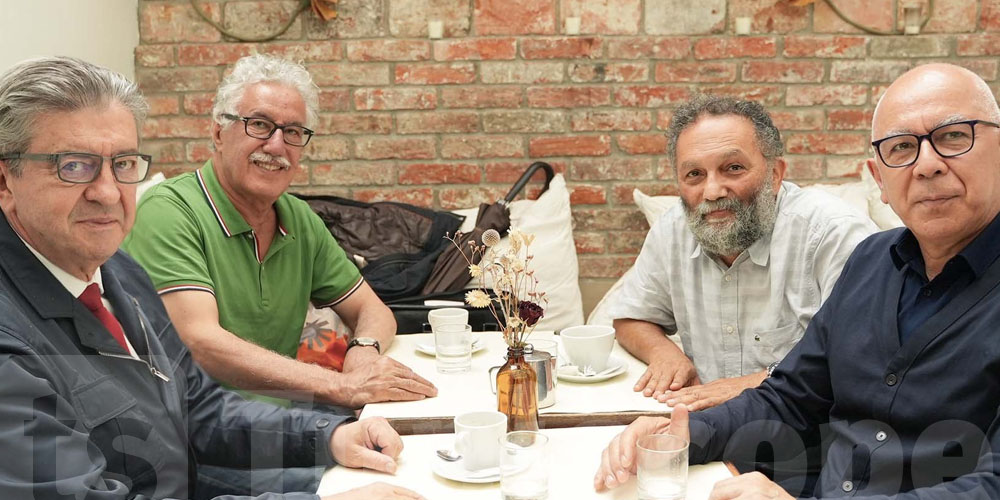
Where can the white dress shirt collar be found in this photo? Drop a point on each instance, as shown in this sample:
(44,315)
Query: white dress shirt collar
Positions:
(74,285)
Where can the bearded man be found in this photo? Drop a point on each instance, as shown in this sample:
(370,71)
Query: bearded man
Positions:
(738,269)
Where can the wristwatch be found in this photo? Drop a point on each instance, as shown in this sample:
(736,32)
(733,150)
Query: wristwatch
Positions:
(364,342)
(770,367)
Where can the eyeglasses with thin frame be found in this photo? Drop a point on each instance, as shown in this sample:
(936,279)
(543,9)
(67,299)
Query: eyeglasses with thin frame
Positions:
(262,128)
(83,168)
(949,140)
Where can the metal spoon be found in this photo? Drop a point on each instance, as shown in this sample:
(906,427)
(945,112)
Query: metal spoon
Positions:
(449,455)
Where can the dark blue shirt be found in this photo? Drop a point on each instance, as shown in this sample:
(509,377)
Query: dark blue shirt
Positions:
(920,298)
(919,419)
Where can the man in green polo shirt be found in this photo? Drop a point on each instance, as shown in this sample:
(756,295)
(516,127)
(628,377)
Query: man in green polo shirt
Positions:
(236,259)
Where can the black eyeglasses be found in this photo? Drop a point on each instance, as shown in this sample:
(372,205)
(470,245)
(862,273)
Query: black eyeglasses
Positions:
(949,141)
(81,168)
(262,128)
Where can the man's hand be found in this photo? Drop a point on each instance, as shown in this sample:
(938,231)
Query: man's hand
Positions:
(669,370)
(619,459)
(750,486)
(381,378)
(370,443)
(376,491)
(699,397)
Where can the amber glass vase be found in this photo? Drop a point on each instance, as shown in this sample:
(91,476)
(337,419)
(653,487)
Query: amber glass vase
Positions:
(517,392)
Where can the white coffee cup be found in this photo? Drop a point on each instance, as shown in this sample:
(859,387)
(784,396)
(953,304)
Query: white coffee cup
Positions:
(588,345)
(447,316)
(477,438)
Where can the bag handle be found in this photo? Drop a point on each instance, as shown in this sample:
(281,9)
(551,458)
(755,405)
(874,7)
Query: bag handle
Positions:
(526,176)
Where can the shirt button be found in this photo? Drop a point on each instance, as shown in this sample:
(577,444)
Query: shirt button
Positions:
(757,338)
(928,293)
(729,329)
(729,278)
(890,379)
(880,436)
(321,423)
(847,486)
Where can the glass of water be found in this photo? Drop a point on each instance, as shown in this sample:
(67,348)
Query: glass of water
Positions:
(662,467)
(524,473)
(453,347)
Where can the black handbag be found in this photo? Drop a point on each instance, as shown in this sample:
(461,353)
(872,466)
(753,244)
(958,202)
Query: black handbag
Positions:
(411,313)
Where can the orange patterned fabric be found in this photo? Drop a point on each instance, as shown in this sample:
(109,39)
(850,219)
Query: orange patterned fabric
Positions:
(322,346)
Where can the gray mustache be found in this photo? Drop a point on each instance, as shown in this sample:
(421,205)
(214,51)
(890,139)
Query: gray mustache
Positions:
(707,207)
(266,158)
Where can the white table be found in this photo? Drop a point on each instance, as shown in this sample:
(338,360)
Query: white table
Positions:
(471,391)
(574,453)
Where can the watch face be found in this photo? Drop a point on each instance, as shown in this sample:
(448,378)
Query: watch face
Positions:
(365,342)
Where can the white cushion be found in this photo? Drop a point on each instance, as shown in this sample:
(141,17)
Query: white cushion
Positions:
(653,206)
(881,213)
(555,265)
(854,193)
(600,314)
(148,183)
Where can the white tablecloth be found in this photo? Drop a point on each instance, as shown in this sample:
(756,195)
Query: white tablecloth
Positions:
(471,391)
(574,455)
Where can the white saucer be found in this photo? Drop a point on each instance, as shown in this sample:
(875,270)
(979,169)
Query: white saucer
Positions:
(570,373)
(428,349)
(456,471)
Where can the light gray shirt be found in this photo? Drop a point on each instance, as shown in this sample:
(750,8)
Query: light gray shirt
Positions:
(735,321)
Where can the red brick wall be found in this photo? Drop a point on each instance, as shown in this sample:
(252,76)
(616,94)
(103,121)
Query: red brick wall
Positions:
(451,123)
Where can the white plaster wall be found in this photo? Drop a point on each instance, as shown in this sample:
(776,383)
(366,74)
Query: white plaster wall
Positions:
(104,32)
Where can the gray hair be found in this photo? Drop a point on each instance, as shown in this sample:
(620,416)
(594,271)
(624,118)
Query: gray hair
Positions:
(262,68)
(768,137)
(57,84)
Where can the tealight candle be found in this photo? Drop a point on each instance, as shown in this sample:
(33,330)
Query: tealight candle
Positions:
(572,25)
(435,29)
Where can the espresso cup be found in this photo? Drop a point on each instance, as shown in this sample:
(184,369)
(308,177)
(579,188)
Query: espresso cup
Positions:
(588,345)
(447,316)
(477,438)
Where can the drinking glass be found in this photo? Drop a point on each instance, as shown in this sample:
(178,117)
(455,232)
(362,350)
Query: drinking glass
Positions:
(524,473)
(453,347)
(662,467)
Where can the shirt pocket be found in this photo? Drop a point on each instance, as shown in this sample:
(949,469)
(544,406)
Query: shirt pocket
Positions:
(768,346)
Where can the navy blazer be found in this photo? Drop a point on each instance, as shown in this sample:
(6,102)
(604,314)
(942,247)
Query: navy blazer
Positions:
(80,418)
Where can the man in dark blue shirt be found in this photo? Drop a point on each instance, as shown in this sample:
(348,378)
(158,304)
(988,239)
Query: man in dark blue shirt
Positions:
(899,372)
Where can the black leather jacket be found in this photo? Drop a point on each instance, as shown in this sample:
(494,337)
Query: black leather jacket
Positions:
(79,418)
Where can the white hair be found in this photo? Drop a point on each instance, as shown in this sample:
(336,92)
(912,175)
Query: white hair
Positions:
(261,68)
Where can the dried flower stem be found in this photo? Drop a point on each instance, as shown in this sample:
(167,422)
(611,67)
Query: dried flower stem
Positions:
(512,282)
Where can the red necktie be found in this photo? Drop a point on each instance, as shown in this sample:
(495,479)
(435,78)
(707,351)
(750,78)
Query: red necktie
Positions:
(91,297)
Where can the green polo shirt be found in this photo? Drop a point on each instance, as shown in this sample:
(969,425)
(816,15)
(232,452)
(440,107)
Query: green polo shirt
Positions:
(189,236)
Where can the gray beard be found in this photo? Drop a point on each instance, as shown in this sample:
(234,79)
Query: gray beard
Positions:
(752,220)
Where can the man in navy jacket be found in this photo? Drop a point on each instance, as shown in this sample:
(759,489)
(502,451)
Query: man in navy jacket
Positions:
(900,370)
(99,397)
